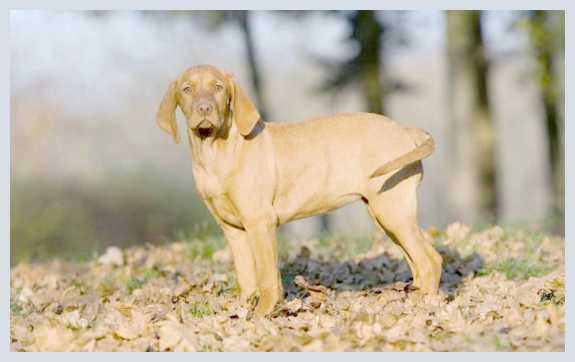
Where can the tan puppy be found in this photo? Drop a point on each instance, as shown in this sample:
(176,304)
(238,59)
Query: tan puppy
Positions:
(254,176)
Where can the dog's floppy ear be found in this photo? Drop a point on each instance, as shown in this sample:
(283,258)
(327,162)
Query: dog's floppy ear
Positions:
(166,116)
(243,112)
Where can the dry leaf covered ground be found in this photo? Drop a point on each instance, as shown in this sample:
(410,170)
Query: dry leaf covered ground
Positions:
(501,290)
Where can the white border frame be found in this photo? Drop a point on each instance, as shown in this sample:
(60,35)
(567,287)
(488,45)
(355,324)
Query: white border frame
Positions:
(263,5)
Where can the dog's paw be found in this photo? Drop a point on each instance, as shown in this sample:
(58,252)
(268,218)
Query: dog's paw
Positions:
(266,304)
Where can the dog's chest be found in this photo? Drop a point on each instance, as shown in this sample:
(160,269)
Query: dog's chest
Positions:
(214,193)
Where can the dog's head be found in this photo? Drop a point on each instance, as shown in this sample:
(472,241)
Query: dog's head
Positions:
(212,102)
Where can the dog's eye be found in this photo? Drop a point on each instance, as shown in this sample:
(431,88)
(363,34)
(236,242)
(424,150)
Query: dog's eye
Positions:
(219,87)
(187,89)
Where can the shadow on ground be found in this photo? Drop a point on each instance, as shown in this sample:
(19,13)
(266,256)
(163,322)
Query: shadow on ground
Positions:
(373,273)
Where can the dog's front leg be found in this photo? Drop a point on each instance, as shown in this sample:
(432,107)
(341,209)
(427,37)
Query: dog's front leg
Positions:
(244,262)
(262,237)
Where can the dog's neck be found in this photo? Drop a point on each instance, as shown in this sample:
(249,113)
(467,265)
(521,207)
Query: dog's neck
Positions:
(221,146)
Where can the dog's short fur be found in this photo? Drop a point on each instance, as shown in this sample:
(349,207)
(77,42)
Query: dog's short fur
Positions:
(254,176)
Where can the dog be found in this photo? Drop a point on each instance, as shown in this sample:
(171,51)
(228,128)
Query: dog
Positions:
(254,176)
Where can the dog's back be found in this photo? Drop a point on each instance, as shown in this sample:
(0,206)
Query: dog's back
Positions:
(327,161)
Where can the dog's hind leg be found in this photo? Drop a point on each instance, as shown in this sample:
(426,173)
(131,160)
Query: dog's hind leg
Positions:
(395,211)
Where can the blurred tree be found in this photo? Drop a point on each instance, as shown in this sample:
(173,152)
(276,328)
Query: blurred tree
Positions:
(241,19)
(473,141)
(365,65)
(546,31)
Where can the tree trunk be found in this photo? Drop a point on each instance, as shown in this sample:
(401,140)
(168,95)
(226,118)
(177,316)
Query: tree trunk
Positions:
(368,32)
(473,145)
(244,23)
(546,32)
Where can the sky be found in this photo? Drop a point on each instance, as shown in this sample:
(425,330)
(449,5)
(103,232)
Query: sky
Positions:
(48,44)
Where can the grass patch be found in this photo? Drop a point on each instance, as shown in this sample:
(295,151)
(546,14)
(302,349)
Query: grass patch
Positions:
(15,309)
(203,249)
(530,260)
(138,282)
(519,268)
(200,309)
(134,283)
(201,243)
(151,273)
(502,344)
(343,247)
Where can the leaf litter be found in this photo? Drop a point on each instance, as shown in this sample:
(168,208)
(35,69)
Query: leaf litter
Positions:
(158,298)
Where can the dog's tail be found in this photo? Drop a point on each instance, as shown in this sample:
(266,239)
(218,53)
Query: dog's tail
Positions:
(424,147)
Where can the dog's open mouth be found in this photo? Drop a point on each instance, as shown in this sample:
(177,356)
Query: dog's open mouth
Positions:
(204,132)
(205,129)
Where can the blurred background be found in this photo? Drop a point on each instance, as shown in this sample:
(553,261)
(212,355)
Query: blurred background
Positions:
(90,168)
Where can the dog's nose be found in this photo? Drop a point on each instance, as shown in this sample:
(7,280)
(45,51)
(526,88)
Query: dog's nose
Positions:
(205,108)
